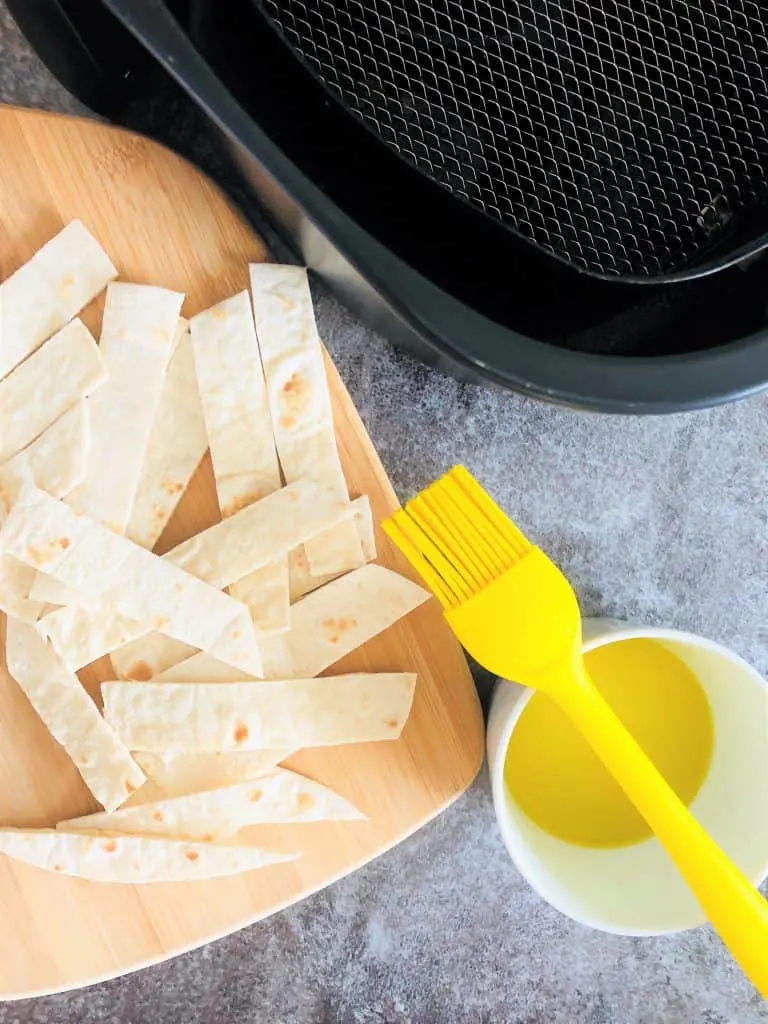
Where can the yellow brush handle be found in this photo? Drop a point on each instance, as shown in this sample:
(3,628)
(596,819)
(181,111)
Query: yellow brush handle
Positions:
(733,905)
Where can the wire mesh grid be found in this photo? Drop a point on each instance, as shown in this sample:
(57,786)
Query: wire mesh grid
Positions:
(623,135)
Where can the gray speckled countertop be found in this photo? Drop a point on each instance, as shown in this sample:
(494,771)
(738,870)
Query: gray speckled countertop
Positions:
(658,520)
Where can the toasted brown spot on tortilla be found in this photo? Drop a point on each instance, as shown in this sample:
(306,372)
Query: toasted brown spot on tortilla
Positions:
(256,796)
(158,816)
(295,394)
(219,312)
(293,496)
(38,557)
(391,723)
(129,787)
(172,486)
(304,801)
(140,672)
(192,855)
(160,623)
(241,732)
(65,285)
(335,628)
(57,867)
(110,846)
(239,503)
(207,838)
(287,422)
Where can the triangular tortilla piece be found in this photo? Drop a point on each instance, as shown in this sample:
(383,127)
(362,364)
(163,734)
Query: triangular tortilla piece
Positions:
(50,382)
(188,717)
(49,290)
(132,859)
(16,581)
(172,775)
(56,460)
(239,426)
(244,543)
(337,619)
(73,719)
(83,554)
(137,335)
(301,580)
(215,815)
(299,399)
(176,445)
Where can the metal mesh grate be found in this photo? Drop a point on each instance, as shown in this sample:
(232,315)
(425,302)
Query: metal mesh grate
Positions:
(623,135)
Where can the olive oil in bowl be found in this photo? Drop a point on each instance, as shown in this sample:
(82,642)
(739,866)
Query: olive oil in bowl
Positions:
(556,779)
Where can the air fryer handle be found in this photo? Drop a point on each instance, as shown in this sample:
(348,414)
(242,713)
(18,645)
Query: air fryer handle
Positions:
(86,48)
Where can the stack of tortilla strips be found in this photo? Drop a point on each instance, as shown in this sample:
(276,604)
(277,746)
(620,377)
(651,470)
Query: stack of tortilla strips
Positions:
(217,644)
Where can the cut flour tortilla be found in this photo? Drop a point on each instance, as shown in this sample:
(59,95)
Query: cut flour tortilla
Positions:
(49,290)
(266,594)
(106,858)
(302,581)
(56,460)
(200,668)
(215,815)
(40,390)
(239,426)
(176,445)
(70,715)
(172,775)
(300,402)
(244,543)
(235,406)
(137,337)
(85,555)
(337,619)
(16,581)
(188,717)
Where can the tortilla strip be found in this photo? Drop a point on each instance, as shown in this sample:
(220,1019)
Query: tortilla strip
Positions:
(51,381)
(279,796)
(172,775)
(137,335)
(87,556)
(70,715)
(266,594)
(49,290)
(188,717)
(176,445)
(300,401)
(302,582)
(200,668)
(234,400)
(56,460)
(52,592)
(15,583)
(337,619)
(132,859)
(239,426)
(243,543)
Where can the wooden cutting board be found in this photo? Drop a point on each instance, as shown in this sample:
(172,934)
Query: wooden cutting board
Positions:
(163,223)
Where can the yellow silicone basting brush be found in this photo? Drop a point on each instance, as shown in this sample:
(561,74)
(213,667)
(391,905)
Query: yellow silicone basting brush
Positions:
(517,615)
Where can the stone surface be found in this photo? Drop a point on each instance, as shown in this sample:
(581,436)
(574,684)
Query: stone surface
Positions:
(657,520)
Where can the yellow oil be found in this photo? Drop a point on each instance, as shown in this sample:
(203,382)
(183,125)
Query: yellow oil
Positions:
(562,786)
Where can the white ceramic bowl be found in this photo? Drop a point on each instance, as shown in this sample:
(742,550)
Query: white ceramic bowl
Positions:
(636,890)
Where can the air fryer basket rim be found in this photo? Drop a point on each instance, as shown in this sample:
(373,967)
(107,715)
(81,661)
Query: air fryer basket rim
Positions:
(597,382)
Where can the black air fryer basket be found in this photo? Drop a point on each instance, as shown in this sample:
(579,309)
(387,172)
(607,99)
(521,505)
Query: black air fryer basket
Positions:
(569,199)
